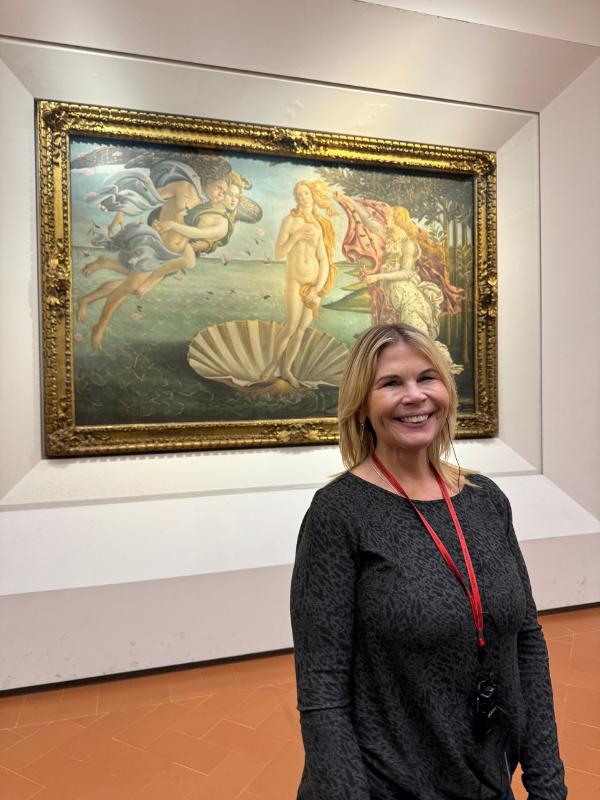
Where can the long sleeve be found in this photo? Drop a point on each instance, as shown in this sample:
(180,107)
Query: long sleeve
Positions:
(543,771)
(322,609)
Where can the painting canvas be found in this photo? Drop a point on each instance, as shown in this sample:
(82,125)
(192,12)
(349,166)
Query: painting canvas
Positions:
(212,291)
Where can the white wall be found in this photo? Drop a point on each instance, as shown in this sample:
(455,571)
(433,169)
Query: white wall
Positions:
(186,557)
(19,364)
(570,153)
(519,293)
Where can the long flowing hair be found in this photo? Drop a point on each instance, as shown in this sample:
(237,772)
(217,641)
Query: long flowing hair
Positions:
(400,216)
(321,200)
(357,441)
(432,264)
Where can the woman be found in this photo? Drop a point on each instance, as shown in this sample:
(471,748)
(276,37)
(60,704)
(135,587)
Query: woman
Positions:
(415,682)
(306,240)
(408,279)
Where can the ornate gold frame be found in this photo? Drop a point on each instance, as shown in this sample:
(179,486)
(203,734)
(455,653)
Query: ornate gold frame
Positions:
(57,121)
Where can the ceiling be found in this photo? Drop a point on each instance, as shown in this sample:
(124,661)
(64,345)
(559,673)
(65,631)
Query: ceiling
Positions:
(575,21)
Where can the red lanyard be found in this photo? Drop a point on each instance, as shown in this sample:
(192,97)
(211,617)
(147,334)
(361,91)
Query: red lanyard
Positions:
(473,594)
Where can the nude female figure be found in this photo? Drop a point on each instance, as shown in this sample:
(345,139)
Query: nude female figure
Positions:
(305,240)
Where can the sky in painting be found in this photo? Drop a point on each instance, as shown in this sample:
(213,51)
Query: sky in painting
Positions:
(272,180)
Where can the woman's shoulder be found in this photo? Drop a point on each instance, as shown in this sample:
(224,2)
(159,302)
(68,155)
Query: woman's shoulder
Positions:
(340,489)
(343,497)
(333,515)
(485,487)
(483,482)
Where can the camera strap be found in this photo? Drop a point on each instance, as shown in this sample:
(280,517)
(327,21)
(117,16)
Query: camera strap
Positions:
(473,592)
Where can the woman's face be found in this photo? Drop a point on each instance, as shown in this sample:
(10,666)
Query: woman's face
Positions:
(303,196)
(408,402)
(232,197)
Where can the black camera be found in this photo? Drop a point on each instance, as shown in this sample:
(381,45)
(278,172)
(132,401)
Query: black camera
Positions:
(486,707)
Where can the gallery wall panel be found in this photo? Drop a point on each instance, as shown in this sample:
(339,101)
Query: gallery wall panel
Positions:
(55,72)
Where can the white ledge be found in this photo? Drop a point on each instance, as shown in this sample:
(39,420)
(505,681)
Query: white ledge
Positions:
(79,481)
(541,510)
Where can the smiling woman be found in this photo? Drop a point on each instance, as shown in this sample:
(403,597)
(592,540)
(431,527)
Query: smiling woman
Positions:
(395,375)
(405,410)
(422,670)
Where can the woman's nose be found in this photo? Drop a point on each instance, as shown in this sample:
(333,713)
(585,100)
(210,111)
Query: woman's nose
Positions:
(413,393)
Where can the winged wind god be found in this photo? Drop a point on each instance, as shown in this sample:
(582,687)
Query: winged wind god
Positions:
(166,211)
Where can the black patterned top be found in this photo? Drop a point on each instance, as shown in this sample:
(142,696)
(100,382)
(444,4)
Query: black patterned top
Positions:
(386,653)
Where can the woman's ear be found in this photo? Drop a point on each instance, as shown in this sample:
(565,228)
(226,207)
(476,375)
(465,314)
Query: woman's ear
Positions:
(363,420)
(362,414)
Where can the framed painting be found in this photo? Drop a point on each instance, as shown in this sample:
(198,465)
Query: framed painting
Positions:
(202,281)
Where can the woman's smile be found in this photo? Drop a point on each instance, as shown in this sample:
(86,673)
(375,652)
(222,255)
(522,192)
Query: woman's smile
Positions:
(414,420)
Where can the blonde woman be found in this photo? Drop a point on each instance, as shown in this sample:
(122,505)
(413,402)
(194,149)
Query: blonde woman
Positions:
(422,670)
(306,240)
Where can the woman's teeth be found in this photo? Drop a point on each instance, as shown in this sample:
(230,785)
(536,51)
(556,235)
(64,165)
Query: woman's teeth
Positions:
(420,418)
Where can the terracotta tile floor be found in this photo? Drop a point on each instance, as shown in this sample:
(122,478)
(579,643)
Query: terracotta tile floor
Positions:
(230,731)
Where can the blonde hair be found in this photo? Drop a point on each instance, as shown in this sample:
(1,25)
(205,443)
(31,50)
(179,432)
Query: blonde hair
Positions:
(399,217)
(403,220)
(321,199)
(357,441)
(235,179)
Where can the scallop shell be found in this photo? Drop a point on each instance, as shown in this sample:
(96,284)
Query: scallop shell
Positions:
(236,352)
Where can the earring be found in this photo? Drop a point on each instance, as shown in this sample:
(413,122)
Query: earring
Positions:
(362,429)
